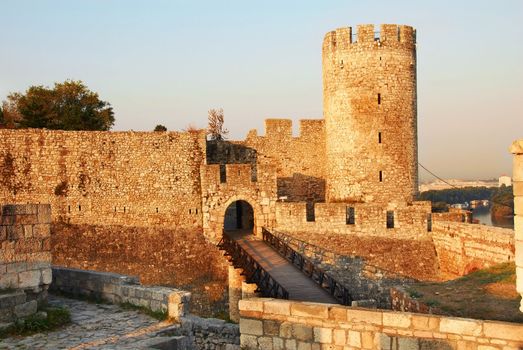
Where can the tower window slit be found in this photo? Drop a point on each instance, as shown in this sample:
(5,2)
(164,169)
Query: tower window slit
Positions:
(350,217)
(379,98)
(390,219)
(379,137)
(381,176)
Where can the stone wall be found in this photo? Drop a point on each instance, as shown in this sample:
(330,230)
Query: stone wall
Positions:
(25,259)
(454,214)
(177,258)
(369,219)
(517,178)
(118,289)
(282,324)
(123,178)
(370,110)
(463,248)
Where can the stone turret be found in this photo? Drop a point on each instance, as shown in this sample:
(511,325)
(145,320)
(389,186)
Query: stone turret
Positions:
(370,110)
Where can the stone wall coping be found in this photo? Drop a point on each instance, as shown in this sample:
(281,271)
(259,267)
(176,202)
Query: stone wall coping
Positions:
(117,288)
(333,315)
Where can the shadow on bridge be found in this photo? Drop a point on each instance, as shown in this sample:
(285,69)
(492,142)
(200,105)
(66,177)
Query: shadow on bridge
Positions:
(276,275)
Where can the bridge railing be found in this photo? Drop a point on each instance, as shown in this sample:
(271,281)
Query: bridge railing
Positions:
(254,272)
(318,275)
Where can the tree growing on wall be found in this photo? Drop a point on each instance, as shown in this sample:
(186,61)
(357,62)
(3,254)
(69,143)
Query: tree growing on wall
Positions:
(215,128)
(160,127)
(67,106)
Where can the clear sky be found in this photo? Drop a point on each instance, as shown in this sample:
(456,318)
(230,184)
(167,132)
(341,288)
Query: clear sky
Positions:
(168,62)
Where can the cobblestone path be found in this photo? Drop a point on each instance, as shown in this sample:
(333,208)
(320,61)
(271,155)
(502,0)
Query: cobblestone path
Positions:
(93,326)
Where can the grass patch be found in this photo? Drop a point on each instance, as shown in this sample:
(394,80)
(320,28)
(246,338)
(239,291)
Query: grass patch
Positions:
(487,294)
(414,293)
(159,315)
(56,317)
(502,273)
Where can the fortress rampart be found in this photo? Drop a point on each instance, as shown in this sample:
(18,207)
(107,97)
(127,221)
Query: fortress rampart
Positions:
(121,178)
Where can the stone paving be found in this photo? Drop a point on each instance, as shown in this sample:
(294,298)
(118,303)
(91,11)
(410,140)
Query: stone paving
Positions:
(93,326)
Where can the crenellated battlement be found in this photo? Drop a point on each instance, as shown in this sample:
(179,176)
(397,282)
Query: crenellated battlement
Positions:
(281,129)
(388,35)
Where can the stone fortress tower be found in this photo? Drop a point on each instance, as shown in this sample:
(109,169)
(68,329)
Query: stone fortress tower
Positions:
(369,101)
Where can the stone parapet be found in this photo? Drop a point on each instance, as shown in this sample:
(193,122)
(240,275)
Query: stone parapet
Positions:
(283,324)
(116,288)
(25,259)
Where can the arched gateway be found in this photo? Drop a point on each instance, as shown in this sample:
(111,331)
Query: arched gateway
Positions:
(239,215)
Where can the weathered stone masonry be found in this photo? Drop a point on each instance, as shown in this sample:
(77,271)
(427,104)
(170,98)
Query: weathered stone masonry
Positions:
(25,259)
(517,150)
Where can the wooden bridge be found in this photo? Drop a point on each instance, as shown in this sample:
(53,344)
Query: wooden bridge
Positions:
(279,271)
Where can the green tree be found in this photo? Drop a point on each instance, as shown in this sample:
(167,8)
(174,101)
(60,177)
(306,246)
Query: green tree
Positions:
(160,127)
(68,106)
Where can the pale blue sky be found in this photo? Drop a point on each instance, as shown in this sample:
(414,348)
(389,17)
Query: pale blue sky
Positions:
(168,62)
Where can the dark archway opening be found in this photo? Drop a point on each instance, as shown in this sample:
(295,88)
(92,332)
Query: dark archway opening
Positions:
(239,216)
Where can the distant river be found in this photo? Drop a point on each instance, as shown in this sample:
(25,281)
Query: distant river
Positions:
(483,215)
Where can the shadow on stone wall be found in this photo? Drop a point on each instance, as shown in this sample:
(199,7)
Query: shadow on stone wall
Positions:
(226,152)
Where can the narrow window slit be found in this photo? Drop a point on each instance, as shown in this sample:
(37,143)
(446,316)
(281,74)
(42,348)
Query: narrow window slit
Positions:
(379,137)
(390,219)
(381,176)
(350,217)
(379,98)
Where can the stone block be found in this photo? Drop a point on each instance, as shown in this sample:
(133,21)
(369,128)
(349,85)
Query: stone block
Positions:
(251,305)
(364,316)
(271,327)
(26,309)
(322,335)
(16,267)
(367,340)
(302,332)
(265,343)
(310,310)
(517,188)
(396,320)
(338,313)
(519,279)
(251,327)
(286,330)
(503,330)
(9,300)
(339,337)
(28,279)
(460,326)
(517,168)
(354,339)
(277,307)
(248,341)
(47,276)
(278,343)
(518,205)
(290,344)
(423,323)
(304,346)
